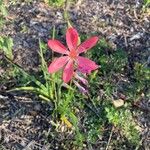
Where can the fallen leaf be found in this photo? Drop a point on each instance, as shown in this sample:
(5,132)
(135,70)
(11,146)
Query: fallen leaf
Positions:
(118,103)
(66,121)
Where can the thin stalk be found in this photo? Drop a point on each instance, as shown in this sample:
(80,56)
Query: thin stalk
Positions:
(66,16)
(109,140)
(53,84)
(44,98)
(59,91)
(53,37)
(44,67)
(89,97)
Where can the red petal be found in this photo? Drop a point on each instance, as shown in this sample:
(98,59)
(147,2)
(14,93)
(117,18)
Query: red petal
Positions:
(72,38)
(88,44)
(58,47)
(86,65)
(68,71)
(57,64)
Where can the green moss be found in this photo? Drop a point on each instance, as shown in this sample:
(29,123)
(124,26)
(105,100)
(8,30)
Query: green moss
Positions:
(58,3)
(123,119)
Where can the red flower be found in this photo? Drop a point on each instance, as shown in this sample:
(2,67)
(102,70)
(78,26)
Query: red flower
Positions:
(72,55)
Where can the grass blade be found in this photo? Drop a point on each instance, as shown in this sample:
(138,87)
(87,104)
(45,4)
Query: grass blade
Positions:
(30,88)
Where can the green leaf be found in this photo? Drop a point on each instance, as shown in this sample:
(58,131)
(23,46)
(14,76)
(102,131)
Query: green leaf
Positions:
(30,88)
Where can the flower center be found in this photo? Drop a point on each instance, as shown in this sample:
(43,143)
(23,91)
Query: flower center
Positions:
(73,54)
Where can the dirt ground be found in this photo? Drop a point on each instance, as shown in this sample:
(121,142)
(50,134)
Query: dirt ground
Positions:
(24,120)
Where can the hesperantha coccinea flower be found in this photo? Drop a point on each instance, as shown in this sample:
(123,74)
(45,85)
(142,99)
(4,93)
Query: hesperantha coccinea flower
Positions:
(71,61)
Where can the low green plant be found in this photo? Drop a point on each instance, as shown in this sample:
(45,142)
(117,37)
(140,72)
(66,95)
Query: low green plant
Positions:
(141,73)
(47,89)
(51,88)
(55,2)
(113,64)
(6,44)
(139,84)
(146,6)
(111,61)
(3,13)
(59,3)
(146,3)
(123,119)
(3,10)
(14,2)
